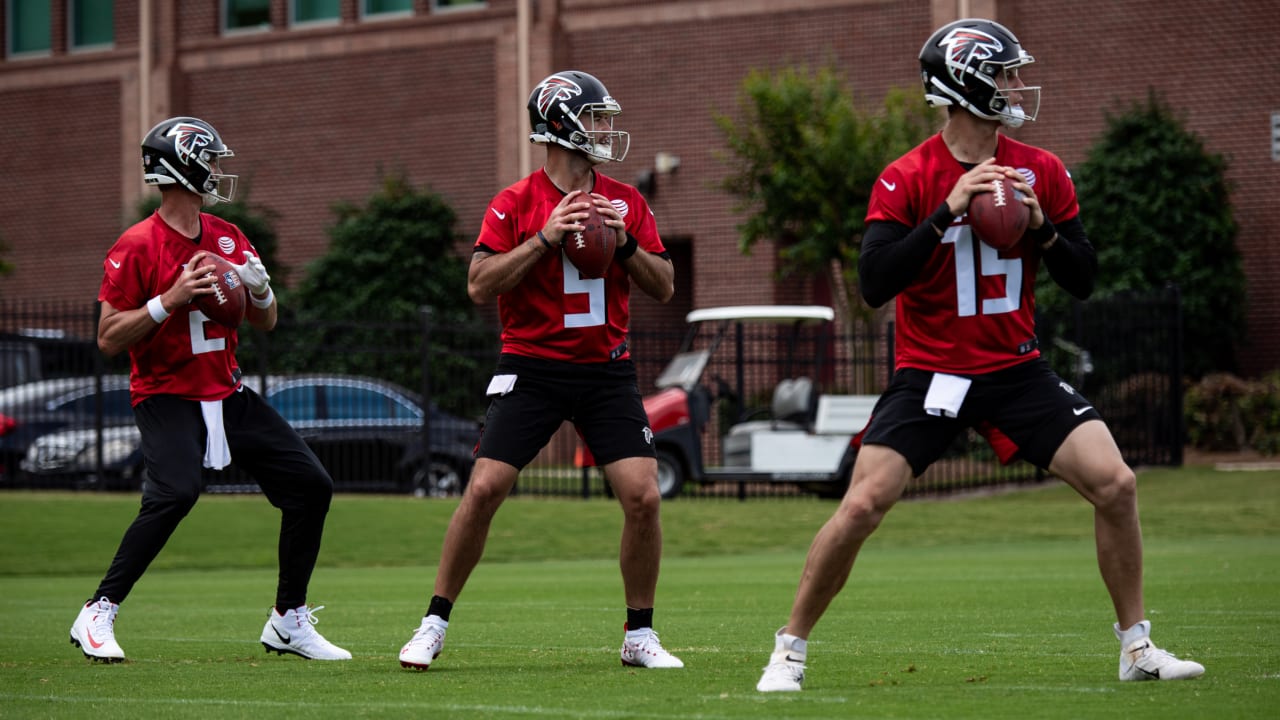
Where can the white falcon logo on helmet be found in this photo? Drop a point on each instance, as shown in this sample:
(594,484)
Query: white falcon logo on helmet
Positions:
(189,140)
(966,48)
(556,89)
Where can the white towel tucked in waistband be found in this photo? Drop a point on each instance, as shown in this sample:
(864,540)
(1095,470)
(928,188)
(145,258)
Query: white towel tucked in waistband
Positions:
(216,453)
(946,395)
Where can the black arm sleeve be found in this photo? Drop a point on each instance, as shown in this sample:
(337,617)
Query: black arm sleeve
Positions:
(891,257)
(1071,261)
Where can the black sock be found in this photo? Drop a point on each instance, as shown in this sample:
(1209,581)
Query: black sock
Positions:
(440,608)
(637,619)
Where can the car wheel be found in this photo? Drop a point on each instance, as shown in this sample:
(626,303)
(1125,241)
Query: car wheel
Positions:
(439,478)
(670,474)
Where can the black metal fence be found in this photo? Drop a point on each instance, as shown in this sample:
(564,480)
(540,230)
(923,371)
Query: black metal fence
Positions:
(1123,353)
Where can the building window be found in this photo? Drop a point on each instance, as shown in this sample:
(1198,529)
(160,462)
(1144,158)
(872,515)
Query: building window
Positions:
(92,23)
(456,4)
(311,11)
(29,28)
(386,7)
(246,14)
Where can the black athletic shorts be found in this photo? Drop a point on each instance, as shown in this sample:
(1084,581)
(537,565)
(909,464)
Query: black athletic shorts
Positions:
(601,399)
(1028,403)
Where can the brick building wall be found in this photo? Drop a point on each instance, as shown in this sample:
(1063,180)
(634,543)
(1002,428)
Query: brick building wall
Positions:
(316,113)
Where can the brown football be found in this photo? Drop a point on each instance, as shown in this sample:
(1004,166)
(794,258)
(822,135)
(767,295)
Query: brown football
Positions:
(591,250)
(226,304)
(999,217)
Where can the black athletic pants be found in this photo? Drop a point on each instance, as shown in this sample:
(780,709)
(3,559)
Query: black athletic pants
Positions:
(262,444)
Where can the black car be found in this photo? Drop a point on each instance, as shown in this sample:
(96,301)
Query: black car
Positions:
(35,409)
(367,432)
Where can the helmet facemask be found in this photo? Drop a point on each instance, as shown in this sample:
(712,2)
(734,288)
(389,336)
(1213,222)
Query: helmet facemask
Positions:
(1002,104)
(595,136)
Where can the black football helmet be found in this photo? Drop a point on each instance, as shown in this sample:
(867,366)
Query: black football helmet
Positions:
(960,63)
(574,110)
(183,151)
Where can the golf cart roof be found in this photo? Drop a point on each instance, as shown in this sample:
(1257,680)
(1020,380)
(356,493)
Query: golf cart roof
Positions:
(762,313)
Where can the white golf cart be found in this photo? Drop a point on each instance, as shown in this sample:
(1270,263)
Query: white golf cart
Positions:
(806,438)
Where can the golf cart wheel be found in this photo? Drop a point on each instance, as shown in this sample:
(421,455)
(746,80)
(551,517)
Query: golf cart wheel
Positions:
(670,474)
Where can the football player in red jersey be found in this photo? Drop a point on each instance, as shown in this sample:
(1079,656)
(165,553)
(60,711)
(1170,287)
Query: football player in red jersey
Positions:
(564,351)
(190,407)
(965,340)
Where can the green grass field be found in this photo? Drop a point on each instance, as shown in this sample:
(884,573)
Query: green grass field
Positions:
(985,607)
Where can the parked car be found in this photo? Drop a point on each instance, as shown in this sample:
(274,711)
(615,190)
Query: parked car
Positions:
(35,409)
(366,431)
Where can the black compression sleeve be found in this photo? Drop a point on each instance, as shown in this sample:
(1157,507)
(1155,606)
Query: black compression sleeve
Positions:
(892,255)
(1071,260)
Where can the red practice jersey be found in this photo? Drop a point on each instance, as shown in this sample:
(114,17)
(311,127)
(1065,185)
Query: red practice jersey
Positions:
(554,313)
(187,355)
(971,309)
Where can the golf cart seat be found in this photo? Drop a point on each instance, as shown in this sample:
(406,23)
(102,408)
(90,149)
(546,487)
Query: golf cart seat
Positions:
(793,407)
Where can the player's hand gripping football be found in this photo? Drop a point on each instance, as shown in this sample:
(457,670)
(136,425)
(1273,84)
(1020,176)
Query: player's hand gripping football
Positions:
(977,180)
(254,274)
(566,217)
(194,280)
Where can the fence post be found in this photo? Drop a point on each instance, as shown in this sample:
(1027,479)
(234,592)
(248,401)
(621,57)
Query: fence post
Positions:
(98,370)
(1175,377)
(426,313)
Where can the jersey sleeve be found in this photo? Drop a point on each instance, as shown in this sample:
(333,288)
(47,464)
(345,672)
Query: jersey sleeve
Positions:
(891,199)
(1061,204)
(643,225)
(124,285)
(499,229)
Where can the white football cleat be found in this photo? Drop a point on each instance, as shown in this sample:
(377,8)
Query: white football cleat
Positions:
(293,633)
(785,671)
(94,631)
(425,645)
(641,648)
(1141,660)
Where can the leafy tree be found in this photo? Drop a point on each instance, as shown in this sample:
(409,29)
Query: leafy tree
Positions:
(1157,207)
(803,161)
(387,259)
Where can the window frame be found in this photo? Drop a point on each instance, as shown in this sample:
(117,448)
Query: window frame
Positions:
(436,7)
(72,46)
(11,34)
(366,15)
(224,17)
(294,22)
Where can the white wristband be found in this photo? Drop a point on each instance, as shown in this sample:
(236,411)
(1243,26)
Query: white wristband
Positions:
(265,302)
(156,309)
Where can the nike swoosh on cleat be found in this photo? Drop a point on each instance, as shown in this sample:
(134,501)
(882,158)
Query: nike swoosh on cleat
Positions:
(93,643)
(791,659)
(281,635)
(1081,411)
(1154,675)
